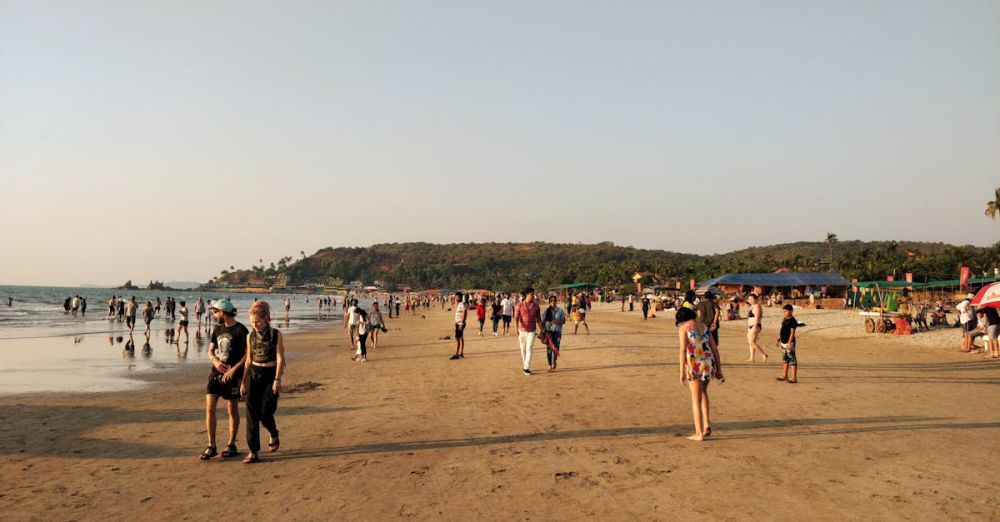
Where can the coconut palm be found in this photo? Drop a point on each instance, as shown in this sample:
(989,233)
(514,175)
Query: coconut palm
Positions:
(993,207)
(831,238)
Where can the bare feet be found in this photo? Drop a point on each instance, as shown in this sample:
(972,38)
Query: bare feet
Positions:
(749,361)
(696,437)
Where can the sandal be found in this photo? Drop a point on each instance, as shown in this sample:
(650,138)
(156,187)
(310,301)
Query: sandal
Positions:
(251,458)
(708,432)
(793,381)
(780,378)
(230,451)
(208,453)
(274,444)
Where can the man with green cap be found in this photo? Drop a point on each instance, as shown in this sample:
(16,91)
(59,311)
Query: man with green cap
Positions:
(226,350)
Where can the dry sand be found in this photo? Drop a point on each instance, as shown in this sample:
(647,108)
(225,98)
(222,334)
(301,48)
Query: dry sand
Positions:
(876,429)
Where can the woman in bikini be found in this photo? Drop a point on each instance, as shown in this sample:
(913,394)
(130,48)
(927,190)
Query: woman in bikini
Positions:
(699,361)
(754,319)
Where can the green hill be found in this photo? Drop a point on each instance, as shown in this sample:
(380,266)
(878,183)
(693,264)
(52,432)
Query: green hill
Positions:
(513,265)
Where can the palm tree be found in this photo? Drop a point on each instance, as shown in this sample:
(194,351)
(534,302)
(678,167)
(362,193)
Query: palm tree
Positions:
(993,207)
(831,238)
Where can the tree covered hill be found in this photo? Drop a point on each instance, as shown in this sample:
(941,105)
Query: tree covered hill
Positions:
(512,265)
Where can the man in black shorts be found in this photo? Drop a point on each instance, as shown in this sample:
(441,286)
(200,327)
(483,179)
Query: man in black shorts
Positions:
(461,313)
(226,350)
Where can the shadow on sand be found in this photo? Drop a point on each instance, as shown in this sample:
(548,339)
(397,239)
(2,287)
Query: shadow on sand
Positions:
(759,429)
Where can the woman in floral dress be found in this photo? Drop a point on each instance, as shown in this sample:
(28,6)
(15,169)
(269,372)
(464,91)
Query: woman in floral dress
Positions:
(699,361)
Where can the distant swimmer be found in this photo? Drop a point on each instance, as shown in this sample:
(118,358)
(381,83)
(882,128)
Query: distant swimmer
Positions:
(10,301)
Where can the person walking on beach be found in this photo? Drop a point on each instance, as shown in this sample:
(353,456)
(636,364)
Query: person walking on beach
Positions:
(375,323)
(698,359)
(182,325)
(581,314)
(261,382)
(288,306)
(495,314)
(708,314)
(645,308)
(554,319)
(787,341)
(156,309)
(147,315)
(507,313)
(227,352)
(528,319)
(461,313)
(112,306)
(754,318)
(362,346)
(121,309)
(481,314)
(83,306)
(351,322)
(130,310)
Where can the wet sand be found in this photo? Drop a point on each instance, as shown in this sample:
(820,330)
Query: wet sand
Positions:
(874,430)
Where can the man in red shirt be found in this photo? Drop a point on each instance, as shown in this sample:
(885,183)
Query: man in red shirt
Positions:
(481,314)
(528,318)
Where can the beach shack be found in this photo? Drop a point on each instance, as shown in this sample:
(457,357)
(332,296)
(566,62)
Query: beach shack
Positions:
(827,288)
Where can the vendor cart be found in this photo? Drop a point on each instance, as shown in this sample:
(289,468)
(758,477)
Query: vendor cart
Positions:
(881,322)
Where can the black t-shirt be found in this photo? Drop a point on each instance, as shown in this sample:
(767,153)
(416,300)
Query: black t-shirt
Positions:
(787,325)
(229,343)
(992,317)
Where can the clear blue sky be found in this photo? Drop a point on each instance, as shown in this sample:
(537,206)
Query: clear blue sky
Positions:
(170,139)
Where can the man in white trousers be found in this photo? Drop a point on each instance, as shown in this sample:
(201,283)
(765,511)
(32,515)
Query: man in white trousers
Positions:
(528,318)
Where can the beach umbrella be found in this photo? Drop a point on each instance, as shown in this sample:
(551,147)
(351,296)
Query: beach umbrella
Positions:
(988,295)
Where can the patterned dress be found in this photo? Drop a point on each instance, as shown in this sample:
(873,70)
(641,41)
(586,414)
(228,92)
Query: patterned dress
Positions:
(700,360)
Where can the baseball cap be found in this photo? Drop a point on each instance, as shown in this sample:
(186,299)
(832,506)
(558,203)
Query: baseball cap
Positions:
(225,305)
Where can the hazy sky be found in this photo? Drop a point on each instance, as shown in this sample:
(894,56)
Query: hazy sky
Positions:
(171,139)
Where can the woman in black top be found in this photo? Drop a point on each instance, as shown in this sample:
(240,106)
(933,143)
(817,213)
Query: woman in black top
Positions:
(261,386)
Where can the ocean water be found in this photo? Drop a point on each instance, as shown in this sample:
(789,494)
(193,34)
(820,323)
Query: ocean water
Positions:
(46,349)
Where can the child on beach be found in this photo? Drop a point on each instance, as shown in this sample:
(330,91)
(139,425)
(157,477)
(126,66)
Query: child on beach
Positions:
(787,342)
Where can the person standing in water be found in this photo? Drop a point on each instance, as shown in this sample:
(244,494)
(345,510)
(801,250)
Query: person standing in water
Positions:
(182,325)
(261,383)
(130,310)
(199,311)
(147,315)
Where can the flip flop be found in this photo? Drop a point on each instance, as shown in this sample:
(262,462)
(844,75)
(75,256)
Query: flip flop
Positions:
(251,458)
(230,451)
(208,453)
(274,444)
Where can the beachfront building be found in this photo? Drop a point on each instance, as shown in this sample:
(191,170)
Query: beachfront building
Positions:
(790,285)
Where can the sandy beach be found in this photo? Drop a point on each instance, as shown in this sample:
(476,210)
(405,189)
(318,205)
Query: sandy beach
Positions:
(879,427)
